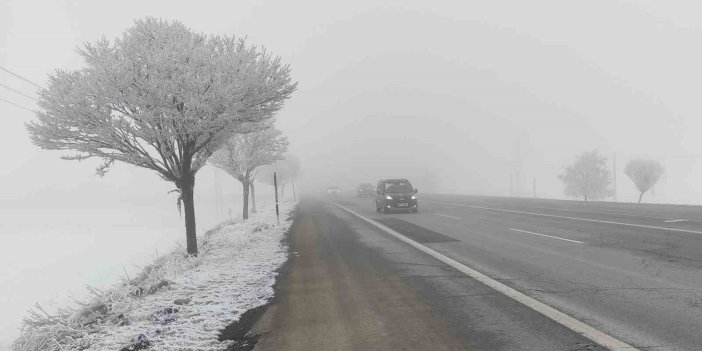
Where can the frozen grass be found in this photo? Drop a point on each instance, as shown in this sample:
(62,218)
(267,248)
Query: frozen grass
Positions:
(176,303)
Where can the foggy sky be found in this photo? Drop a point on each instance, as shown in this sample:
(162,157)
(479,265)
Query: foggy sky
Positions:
(457,95)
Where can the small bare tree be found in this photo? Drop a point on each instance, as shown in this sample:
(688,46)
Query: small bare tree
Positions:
(644,173)
(242,154)
(588,177)
(162,97)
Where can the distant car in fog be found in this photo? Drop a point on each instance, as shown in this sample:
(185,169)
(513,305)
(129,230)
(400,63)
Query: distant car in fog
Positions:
(365,189)
(333,190)
(395,195)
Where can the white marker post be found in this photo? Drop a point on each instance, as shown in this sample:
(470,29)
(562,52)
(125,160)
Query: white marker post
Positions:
(275,185)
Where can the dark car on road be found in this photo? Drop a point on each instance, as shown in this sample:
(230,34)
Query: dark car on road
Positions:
(395,195)
(365,190)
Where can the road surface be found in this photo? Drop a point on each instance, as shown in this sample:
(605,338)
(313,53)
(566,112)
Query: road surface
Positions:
(629,271)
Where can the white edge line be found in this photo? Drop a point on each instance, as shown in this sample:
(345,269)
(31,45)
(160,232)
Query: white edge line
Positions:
(566,217)
(443,215)
(559,317)
(548,236)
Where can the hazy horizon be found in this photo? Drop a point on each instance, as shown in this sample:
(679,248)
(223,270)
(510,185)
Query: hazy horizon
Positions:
(460,97)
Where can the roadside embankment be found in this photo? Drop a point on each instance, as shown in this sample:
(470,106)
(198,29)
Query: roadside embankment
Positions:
(178,302)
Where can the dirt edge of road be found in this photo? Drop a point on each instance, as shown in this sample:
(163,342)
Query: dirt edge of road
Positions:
(240,331)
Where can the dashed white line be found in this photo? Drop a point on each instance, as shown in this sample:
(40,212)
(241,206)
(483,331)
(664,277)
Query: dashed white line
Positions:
(447,216)
(566,217)
(557,316)
(548,236)
(608,212)
(676,220)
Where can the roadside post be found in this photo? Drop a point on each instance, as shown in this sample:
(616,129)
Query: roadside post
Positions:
(275,185)
(614,176)
(535,187)
(293,185)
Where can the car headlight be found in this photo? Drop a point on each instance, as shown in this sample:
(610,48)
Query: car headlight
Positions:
(388,197)
(414,197)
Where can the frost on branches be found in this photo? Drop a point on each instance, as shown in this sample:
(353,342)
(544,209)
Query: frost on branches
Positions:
(242,154)
(588,177)
(644,173)
(162,97)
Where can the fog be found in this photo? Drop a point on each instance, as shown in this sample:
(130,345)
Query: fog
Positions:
(475,97)
(467,97)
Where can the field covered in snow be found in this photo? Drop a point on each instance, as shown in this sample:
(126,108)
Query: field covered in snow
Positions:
(178,302)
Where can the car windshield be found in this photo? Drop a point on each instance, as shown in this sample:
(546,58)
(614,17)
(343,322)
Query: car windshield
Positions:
(398,187)
(366,187)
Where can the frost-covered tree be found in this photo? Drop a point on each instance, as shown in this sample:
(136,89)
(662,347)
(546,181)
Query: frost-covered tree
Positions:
(286,171)
(588,177)
(242,154)
(162,97)
(644,173)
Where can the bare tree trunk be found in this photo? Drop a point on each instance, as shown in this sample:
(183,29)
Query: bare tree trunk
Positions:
(187,193)
(245,209)
(640,196)
(253,197)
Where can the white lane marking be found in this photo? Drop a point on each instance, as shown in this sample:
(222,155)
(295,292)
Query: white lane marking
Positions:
(548,236)
(607,213)
(676,220)
(443,215)
(566,217)
(559,317)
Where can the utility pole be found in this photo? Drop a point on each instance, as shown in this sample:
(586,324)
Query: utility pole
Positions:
(518,172)
(614,176)
(219,204)
(535,187)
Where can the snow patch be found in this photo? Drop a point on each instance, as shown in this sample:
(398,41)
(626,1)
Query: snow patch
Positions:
(177,303)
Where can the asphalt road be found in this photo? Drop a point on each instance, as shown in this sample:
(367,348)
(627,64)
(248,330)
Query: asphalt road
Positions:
(632,271)
(350,286)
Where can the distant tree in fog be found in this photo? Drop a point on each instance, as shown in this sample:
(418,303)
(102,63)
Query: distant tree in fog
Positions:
(242,154)
(162,97)
(644,173)
(286,169)
(588,177)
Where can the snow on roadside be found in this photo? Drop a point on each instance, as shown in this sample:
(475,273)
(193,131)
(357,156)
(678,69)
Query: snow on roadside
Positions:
(178,303)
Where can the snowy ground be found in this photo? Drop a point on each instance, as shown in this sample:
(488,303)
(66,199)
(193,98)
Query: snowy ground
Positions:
(178,303)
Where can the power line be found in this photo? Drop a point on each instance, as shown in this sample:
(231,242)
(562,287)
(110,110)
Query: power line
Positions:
(682,156)
(17,105)
(20,77)
(17,92)
(670,156)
